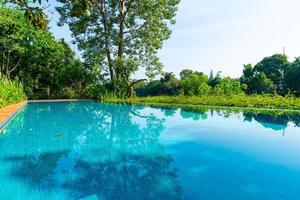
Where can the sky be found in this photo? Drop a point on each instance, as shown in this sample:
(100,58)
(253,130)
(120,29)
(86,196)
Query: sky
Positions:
(222,35)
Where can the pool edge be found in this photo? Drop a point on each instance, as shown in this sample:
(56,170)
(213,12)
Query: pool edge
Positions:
(12,115)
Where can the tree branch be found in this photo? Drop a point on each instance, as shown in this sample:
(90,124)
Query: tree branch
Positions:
(137,81)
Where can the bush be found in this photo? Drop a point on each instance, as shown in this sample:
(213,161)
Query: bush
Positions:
(10,92)
(242,100)
(227,86)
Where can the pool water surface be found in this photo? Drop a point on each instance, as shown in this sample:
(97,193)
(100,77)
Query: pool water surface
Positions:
(101,151)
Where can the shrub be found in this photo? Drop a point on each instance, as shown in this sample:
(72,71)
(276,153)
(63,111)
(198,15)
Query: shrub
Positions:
(10,92)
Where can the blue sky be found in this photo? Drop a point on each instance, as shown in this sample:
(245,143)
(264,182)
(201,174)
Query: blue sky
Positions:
(222,35)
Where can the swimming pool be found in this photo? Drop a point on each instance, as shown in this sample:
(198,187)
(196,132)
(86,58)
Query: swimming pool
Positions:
(92,150)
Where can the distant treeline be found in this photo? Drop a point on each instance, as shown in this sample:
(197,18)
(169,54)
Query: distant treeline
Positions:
(273,75)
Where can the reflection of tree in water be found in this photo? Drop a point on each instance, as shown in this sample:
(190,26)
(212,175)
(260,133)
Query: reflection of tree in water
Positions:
(268,121)
(193,115)
(275,121)
(168,112)
(113,157)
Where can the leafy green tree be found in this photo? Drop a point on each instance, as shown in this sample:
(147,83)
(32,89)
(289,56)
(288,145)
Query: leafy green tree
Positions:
(34,15)
(121,35)
(13,39)
(261,84)
(153,88)
(167,85)
(170,85)
(228,86)
(186,73)
(292,77)
(47,67)
(247,77)
(273,67)
(214,80)
(196,85)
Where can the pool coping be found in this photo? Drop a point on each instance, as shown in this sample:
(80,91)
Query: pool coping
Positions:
(18,107)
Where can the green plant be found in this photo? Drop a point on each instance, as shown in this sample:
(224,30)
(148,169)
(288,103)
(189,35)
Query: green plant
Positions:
(10,92)
(241,100)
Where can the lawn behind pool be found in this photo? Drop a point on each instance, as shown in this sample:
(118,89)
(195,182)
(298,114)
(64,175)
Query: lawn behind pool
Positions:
(245,101)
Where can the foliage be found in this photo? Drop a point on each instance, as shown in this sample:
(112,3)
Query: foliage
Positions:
(261,84)
(117,38)
(10,92)
(13,39)
(34,16)
(47,67)
(227,86)
(170,85)
(267,76)
(242,100)
(120,36)
(167,85)
(292,77)
(214,80)
(195,84)
(273,67)
(192,83)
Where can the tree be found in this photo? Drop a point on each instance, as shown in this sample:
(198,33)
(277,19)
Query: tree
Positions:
(186,73)
(246,77)
(292,77)
(260,84)
(13,39)
(211,76)
(196,85)
(121,35)
(213,81)
(228,86)
(46,66)
(34,15)
(273,67)
(153,88)
(170,85)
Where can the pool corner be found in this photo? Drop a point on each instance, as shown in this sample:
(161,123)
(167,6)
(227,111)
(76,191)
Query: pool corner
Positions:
(9,112)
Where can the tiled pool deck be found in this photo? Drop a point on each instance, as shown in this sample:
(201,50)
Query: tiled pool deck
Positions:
(8,112)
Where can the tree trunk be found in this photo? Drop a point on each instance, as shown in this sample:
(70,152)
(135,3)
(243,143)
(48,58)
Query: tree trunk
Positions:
(120,69)
(121,28)
(107,47)
(48,91)
(129,90)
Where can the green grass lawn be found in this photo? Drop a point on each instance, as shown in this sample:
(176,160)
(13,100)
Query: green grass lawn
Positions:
(243,101)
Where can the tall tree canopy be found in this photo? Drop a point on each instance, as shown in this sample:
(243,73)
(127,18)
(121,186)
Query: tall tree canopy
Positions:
(273,67)
(34,15)
(46,66)
(120,36)
(292,77)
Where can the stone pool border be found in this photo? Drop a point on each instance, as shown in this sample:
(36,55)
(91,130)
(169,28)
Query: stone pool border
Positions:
(7,113)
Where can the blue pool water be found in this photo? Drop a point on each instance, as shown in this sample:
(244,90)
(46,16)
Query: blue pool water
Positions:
(91,150)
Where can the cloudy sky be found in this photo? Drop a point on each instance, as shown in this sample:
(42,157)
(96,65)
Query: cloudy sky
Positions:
(222,35)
